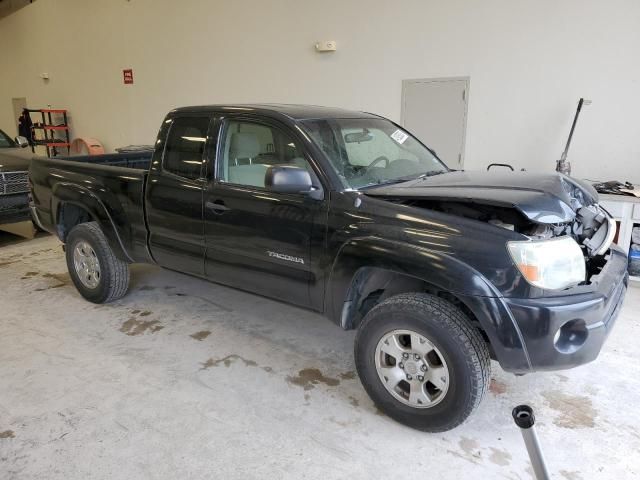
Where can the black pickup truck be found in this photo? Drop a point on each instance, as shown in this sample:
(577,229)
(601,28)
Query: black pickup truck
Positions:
(348,214)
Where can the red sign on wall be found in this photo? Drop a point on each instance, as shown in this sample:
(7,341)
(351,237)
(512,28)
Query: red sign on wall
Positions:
(127,74)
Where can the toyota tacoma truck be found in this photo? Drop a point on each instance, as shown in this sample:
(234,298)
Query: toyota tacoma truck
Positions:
(14,190)
(348,214)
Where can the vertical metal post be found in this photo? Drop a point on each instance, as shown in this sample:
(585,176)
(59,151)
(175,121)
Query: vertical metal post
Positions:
(524,418)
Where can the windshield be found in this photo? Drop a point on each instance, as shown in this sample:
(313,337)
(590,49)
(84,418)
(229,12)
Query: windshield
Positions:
(366,152)
(5,141)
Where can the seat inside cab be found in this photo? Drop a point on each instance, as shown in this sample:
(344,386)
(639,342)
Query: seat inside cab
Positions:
(250,149)
(244,152)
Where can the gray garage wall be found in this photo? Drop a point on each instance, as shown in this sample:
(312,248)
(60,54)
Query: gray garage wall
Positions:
(529,62)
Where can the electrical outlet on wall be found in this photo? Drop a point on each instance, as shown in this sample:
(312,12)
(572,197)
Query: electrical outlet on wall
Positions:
(326,46)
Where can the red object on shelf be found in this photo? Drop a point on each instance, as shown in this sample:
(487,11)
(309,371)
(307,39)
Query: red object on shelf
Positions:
(58,144)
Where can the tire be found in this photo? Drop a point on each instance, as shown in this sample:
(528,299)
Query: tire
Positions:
(454,347)
(110,280)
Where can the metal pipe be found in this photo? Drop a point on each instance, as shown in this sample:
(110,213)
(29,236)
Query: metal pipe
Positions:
(524,418)
(562,165)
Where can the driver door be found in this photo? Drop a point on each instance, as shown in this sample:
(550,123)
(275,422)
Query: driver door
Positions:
(256,239)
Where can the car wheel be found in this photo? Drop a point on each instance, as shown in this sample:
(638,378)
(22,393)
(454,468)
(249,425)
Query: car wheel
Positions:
(422,362)
(97,273)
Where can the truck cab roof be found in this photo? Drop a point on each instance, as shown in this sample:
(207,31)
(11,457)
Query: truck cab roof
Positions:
(279,110)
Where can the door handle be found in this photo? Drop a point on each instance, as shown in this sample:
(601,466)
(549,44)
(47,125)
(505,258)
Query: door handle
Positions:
(218,206)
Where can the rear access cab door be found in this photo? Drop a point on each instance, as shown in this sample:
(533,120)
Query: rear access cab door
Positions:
(257,239)
(175,189)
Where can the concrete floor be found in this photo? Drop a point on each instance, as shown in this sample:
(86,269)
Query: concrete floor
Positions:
(188,379)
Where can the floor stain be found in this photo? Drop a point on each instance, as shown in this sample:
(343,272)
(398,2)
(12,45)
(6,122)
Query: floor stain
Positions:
(135,312)
(463,457)
(571,475)
(500,457)
(354,401)
(345,423)
(496,387)
(10,262)
(469,446)
(206,300)
(267,369)
(201,335)
(562,378)
(348,375)
(134,327)
(227,361)
(61,279)
(575,411)
(7,434)
(146,288)
(146,313)
(308,378)
(470,450)
(29,275)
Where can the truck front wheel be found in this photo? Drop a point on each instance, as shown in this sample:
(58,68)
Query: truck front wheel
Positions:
(422,362)
(97,273)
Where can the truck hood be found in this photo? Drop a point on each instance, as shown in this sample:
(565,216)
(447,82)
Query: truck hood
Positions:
(15,159)
(542,198)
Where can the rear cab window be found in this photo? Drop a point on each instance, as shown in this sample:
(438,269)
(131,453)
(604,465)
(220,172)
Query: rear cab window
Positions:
(185,146)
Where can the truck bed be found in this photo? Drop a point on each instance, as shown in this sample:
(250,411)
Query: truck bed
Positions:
(137,160)
(113,185)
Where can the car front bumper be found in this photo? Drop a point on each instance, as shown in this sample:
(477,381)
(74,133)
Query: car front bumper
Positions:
(14,208)
(561,332)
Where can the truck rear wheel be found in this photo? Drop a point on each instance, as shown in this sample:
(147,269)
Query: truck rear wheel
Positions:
(422,362)
(97,273)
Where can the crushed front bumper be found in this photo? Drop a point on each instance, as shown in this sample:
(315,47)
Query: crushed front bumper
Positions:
(561,332)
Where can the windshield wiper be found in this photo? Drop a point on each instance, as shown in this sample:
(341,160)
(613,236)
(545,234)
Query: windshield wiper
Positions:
(406,178)
(432,173)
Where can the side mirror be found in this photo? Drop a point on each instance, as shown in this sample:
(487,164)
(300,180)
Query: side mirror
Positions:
(22,142)
(288,179)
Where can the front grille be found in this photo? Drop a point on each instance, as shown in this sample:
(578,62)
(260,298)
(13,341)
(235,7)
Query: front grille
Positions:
(13,182)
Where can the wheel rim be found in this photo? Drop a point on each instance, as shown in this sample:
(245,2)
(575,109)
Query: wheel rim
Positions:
(86,264)
(412,369)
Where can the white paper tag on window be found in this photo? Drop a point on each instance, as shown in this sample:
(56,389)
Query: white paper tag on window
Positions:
(399,136)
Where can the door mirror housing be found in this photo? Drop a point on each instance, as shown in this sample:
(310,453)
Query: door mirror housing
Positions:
(22,141)
(288,179)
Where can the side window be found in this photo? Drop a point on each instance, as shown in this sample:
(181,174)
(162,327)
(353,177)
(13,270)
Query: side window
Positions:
(184,150)
(250,148)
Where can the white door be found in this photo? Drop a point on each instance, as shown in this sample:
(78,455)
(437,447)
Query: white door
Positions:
(435,110)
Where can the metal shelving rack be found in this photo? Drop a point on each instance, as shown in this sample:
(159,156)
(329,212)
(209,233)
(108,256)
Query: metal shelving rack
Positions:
(51,139)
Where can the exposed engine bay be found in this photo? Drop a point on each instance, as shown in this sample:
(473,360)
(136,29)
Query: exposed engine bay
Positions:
(539,206)
(592,228)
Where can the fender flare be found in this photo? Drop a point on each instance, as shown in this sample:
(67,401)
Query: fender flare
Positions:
(72,194)
(438,269)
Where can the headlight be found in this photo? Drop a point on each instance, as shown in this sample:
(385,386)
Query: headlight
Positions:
(549,264)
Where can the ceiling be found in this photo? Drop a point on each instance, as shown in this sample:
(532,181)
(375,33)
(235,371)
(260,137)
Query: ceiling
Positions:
(7,7)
